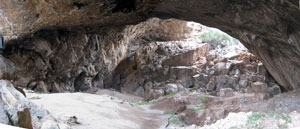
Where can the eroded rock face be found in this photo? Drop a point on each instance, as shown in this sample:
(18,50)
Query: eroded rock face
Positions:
(270,29)
(66,60)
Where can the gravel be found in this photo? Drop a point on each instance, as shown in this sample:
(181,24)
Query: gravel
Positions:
(241,121)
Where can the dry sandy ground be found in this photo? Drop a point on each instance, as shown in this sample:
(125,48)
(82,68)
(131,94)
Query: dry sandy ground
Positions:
(106,110)
(99,111)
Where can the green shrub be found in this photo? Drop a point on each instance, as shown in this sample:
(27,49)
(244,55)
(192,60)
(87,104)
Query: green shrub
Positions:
(198,108)
(172,94)
(202,98)
(175,120)
(271,113)
(168,113)
(216,37)
(255,116)
(145,103)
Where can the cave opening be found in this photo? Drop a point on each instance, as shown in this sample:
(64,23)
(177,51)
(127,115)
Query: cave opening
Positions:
(126,64)
(180,67)
(201,58)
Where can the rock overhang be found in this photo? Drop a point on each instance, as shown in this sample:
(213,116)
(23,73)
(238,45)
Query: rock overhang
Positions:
(270,29)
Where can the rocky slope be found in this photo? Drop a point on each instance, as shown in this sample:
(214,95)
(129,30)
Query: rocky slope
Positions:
(270,29)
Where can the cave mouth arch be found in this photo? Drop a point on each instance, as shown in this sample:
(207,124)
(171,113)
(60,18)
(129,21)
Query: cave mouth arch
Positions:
(153,59)
(202,58)
(94,42)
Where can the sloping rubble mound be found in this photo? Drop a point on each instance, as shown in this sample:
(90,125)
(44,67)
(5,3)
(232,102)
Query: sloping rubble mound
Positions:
(161,68)
(208,81)
(153,63)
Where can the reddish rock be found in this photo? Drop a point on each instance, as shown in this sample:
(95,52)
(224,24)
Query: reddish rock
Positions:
(24,119)
(224,67)
(226,92)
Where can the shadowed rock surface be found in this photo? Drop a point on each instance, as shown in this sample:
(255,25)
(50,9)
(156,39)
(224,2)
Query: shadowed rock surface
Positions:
(65,60)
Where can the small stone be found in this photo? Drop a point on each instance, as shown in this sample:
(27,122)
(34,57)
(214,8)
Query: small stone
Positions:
(210,57)
(158,93)
(226,92)
(259,87)
(140,91)
(243,83)
(202,60)
(232,55)
(170,88)
(250,68)
(211,85)
(211,63)
(237,72)
(274,90)
(257,78)
(223,67)
(202,77)
(24,119)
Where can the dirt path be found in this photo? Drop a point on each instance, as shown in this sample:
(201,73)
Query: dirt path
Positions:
(100,111)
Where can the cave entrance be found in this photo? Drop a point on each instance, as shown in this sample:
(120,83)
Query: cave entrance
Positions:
(194,71)
(190,56)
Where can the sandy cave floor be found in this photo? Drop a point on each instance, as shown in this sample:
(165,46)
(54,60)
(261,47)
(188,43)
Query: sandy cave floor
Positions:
(106,110)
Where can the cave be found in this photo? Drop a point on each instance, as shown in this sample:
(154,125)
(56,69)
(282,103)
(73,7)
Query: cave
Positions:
(151,63)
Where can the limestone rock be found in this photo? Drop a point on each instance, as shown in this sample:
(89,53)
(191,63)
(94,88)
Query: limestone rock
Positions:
(211,85)
(183,73)
(243,83)
(274,90)
(223,67)
(189,57)
(171,88)
(226,92)
(140,91)
(259,86)
(200,80)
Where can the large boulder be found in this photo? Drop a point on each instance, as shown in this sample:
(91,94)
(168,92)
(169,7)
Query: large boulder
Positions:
(15,106)
(17,110)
